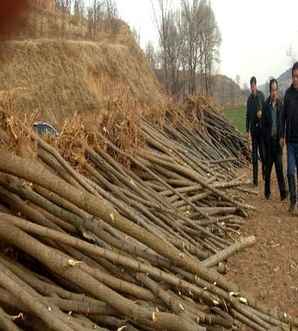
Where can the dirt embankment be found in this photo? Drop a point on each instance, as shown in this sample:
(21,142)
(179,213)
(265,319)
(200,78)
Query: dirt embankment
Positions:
(58,77)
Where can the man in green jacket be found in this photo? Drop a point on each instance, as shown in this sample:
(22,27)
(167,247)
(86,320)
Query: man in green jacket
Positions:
(254,113)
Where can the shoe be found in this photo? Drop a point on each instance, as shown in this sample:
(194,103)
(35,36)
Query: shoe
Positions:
(284,196)
(291,209)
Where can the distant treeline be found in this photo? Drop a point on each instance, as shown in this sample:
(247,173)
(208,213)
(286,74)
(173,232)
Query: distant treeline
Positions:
(188,50)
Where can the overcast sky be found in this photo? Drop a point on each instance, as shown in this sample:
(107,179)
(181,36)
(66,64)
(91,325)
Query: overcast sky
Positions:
(256,34)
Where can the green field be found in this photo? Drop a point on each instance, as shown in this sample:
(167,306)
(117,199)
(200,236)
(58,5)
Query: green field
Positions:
(237,117)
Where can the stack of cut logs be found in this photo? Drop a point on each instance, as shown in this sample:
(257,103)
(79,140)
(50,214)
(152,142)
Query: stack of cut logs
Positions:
(139,248)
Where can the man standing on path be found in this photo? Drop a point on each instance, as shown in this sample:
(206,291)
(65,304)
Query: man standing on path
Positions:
(289,133)
(271,133)
(254,111)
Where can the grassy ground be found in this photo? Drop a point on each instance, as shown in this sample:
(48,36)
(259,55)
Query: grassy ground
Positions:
(237,117)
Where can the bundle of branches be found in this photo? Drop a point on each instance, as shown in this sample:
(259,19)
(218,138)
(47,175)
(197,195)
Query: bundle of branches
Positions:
(122,249)
(209,124)
(223,134)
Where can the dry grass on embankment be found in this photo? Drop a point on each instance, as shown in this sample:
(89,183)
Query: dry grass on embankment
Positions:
(81,87)
(56,79)
(84,88)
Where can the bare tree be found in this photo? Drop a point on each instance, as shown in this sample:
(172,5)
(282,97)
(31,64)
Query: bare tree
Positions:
(211,39)
(78,8)
(64,7)
(110,8)
(161,14)
(175,44)
(110,12)
(192,21)
(189,40)
(101,16)
(151,55)
(92,18)
(137,36)
(168,22)
(202,42)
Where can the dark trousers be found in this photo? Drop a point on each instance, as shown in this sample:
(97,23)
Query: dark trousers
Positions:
(292,159)
(292,170)
(257,149)
(274,156)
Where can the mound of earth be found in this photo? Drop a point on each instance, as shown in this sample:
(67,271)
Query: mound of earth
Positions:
(55,78)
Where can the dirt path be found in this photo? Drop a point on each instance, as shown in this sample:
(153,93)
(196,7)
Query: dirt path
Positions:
(269,270)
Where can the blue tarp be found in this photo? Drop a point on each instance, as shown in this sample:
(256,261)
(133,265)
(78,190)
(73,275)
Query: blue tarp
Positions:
(44,128)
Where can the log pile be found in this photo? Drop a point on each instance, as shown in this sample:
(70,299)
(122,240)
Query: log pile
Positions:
(110,247)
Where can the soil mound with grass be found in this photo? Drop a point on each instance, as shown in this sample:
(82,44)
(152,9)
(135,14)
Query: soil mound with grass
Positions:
(56,78)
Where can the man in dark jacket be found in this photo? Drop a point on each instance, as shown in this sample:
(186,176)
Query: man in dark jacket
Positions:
(254,110)
(271,134)
(289,132)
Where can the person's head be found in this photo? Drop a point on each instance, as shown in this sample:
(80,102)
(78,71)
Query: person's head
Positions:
(273,87)
(295,75)
(253,85)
